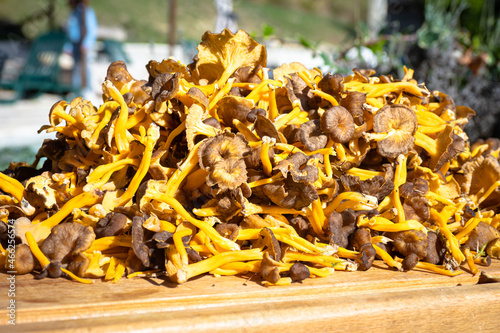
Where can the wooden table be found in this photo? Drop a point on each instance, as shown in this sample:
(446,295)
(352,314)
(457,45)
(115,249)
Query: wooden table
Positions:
(376,300)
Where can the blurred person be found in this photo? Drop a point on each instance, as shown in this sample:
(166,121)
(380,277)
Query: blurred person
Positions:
(226,18)
(81,29)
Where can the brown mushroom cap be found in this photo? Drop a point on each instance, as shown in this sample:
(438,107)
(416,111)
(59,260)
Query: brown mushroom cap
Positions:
(66,241)
(289,194)
(221,147)
(400,122)
(410,261)
(332,84)
(265,127)
(299,272)
(311,136)
(410,241)
(481,235)
(227,174)
(233,107)
(338,123)
(111,225)
(354,102)
(366,257)
(480,173)
(435,250)
(228,230)
(335,232)
(165,87)
(269,268)
(140,249)
(24,261)
(221,54)
(271,243)
(449,145)
(493,248)
(198,97)
(297,166)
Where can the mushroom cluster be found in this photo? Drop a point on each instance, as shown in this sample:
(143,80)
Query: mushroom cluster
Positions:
(226,167)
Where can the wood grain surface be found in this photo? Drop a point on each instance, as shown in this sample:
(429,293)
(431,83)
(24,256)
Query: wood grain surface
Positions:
(376,300)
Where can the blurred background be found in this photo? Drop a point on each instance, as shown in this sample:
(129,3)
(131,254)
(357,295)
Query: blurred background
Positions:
(453,46)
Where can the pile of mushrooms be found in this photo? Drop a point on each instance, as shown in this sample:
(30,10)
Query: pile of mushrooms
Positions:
(226,167)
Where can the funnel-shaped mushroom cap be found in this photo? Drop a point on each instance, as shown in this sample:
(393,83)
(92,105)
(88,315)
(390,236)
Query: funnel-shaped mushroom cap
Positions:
(338,123)
(400,124)
(220,55)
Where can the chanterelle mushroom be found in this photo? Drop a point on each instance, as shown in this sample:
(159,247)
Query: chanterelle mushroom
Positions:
(338,123)
(395,126)
(66,241)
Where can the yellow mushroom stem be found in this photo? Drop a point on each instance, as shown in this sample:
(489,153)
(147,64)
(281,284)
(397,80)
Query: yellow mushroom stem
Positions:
(251,209)
(325,96)
(283,235)
(206,211)
(452,241)
(121,139)
(195,180)
(273,106)
(426,142)
(171,136)
(429,119)
(58,112)
(265,181)
(174,262)
(374,102)
(386,257)
(399,179)
(285,118)
(379,223)
(327,165)
(180,246)
(218,96)
(355,206)
(340,151)
(322,260)
(261,89)
(434,268)
(484,261)
(247,133)
(139,115)
(317,217)
(16,189)
(235,268)
(267,143)
(354,196)
(152,136)
(106,170)
(184,169)
(207,228)
(363,174)
(438,197)
(381,89)
(44,261)
(110,242)
(42,230)
(111,269)
(488,192)
(150,273)
(469,257)
(466,230)
(214,262)
(284,281)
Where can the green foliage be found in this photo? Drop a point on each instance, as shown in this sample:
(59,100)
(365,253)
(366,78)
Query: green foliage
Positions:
(442,23)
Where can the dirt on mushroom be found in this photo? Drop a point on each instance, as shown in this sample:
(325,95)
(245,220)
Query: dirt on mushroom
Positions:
(215,168)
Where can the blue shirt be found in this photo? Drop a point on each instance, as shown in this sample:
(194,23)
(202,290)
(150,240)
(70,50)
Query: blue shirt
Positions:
(74,24)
